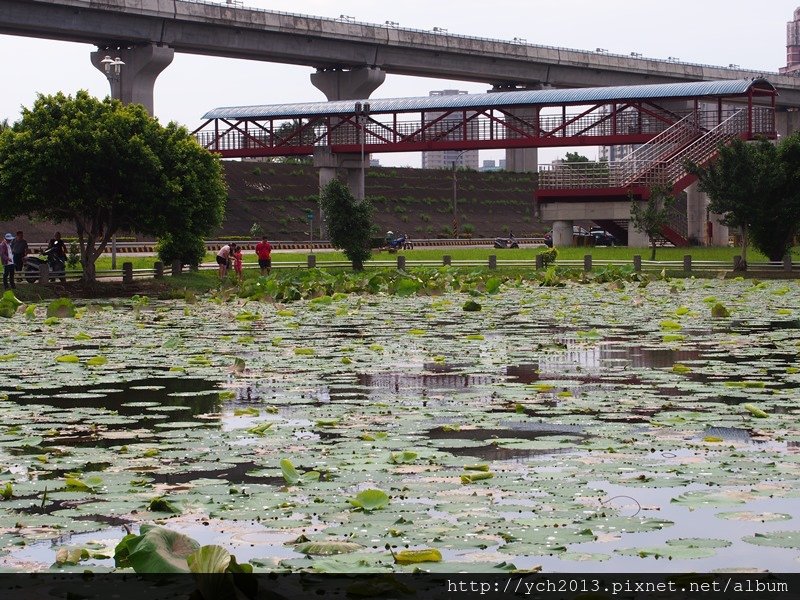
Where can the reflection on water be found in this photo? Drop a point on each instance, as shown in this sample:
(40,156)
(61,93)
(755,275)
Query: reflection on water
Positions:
(408,381)
(198,396)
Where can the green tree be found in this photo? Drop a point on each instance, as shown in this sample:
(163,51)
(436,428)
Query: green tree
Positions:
(574,157)
(650,217)
(106,167)
(349,222)
(184,246)
(754,186)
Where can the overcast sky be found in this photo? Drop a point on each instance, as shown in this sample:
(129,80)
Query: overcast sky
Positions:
(717,32)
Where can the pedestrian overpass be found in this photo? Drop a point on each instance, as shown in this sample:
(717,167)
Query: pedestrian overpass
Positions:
(663,124)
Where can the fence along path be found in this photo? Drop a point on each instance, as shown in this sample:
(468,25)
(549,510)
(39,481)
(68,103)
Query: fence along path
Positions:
(127,274)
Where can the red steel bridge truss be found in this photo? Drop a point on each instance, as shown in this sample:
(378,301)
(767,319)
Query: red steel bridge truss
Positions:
(664,123)
(400,126)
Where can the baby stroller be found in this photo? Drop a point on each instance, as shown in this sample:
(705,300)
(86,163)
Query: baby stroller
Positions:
(56,262)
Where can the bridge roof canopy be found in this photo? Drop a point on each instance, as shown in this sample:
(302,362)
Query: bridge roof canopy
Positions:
(727,89)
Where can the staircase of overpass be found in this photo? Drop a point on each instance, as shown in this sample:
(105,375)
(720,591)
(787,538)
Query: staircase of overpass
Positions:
(696,137)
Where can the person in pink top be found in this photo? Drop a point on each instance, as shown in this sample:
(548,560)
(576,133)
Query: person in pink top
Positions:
(223,256)
(236,252)
(264,253)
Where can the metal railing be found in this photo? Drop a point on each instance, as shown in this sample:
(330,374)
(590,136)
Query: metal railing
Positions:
(382,129)
(668,141)
(659,163)
(127,274)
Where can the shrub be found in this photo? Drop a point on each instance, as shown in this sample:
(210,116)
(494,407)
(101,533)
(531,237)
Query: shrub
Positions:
(548,257)
(184,246)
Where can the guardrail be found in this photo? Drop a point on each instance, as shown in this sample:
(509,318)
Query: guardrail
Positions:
(687,265)
(215,245)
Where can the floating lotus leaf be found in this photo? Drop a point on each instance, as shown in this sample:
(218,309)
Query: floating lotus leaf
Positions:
(776,539)
(327,547)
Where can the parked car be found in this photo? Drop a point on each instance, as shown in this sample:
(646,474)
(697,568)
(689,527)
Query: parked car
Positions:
(602,237)
(580,237)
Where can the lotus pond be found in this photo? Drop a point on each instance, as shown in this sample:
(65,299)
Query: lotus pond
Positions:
(594,427)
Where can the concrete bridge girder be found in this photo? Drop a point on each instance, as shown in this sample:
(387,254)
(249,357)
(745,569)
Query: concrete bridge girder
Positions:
(137,77)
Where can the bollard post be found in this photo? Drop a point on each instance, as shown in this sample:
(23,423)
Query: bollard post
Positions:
(787,262)
(587,262)
(447,259)
(158,268)
(492,261)
(401,263)
(539,262)
(177,267)
(127,272)
(737,262)
(311,261)
(637,263)
(687,263)
(44,273)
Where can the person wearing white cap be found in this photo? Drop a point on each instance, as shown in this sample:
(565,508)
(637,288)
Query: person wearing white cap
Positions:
(7,258)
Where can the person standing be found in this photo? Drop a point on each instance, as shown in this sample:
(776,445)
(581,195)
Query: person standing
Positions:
(264,253)
(7,258)
(57,245)
(236,252)
(223,256)
(19,247)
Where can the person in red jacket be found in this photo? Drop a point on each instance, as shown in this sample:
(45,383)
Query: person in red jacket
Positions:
(264,253)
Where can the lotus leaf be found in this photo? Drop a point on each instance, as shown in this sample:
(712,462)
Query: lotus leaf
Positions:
(156,550)
(370,499)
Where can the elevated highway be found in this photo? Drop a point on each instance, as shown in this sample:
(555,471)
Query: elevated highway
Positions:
(327,44)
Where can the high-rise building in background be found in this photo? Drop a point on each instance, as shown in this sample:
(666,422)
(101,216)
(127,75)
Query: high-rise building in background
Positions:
(444,159)
(792,45)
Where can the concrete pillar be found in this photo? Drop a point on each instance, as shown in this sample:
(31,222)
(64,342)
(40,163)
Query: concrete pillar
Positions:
(355,84)
(137,76)
(696,202)
(311,261)
(522,160)
(346,167)
(719,232)
(637,239)
(562,234)
(338,84)
(787,121)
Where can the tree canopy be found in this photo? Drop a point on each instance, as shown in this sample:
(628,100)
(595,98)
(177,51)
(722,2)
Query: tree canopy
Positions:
(106,167)
(755,187)
(349,222)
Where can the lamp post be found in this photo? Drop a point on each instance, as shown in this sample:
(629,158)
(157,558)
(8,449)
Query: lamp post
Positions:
(362,113)
(112,70)
(455,194)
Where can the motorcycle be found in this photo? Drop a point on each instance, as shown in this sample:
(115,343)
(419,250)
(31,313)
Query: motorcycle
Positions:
(508,242)
(56,262)
(401,243)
